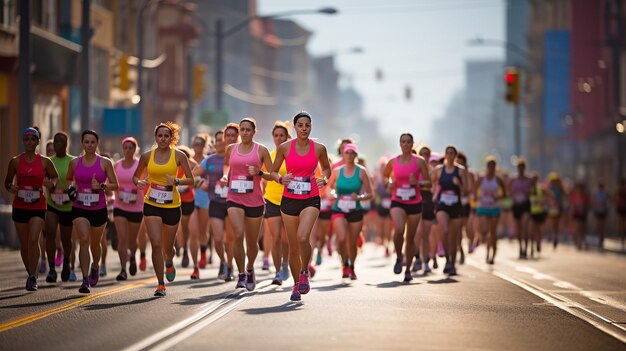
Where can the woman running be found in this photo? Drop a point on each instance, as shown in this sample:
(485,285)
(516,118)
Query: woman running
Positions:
(187,207)
(31,172)
(384,204)
(406,204)
(128,207)
(579,207)
(490,189)
(555,210)
(424,228)
(200,227)
(300,205)
(538,213)
(601,212)
(348,181)
(87,175)
(242,174)
(520,188)
(161,208)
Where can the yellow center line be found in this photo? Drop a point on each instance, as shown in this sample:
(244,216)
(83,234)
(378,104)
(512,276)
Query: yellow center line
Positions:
(82,301)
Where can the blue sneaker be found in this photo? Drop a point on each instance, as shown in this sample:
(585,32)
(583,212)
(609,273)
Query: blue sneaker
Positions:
(241,282)
(417,265)
(72,277)
(397,268)
(318,259)
(103,270)
(447,268)
(94,276)
(284,271)
(170,273)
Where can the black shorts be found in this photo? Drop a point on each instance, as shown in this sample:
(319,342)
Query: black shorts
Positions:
(520,209)
(465,211)
(351,217)
(621,211)
(96,218)
(250,212)
(134,217)
(169,216)
(293,207)
(581,217)
(187,208)
(271,210)
(539,217)
(325,215)
(410,209)
(65,217)
(601,214)
(23,216)
(454,211)
(218,210)
(382,212)
(428,207)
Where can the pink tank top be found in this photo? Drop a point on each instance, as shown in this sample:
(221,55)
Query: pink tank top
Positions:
(126,198)
(89,199)
(303,186)
(404,192)
(243,188)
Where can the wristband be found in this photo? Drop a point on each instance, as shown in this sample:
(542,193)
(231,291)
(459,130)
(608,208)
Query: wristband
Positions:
(325,180)
(280,179)
(177,181)
(260,172)
(103,186)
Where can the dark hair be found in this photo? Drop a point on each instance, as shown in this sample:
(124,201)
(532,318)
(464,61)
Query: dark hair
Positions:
(343,141)
(300,115)
(232,125)
(425,147)
(456,151)
(283,125)
(91,132)
(63,134)
(409,134)
(218,133)
(249,120)
(461,156)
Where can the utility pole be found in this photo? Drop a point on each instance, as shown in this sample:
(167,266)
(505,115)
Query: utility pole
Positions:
(25,62)
(85,38)
(218,64)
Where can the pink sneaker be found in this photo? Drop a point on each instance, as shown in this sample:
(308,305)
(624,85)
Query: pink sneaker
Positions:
(303,285)
(295,293)
(58,260)
(440,251)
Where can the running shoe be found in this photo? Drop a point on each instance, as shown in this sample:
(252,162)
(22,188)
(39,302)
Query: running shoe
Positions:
(277,280)
(170,273)
(408,277)
(318,259)
(304,286)
(345,273)
(65,272)
(295,293)
(93,276)
(241,282)
(202,262)
(122,276)
(435,264)
(462,258)
(266,264)
(84,287)
(440,251)
(196,273)
(312,271)
(58,260)
(491,261)
(132,267)
(142,264)
(52,276)
(397,268)
(250,280)
(43,267)
(221,274)
(103,270)
(417,265)
(160,290)
(452,271)
(185,260)
(31,283)
(72,277)
(471,248)
(284,271)
(352,274)
(447,267)
(229,275)
(426,269)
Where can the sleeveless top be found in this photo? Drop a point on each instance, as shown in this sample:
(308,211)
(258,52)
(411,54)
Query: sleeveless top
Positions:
(273,190)
(537,201)
(159,193)
(213,171)
(520,190)
(384,195)
(30,184)
(187,192)
(344,188)
(489,192)
(126,198)
(88,198)
(449,194)
(59,199)
(404,192)
(303,185)
(243,188)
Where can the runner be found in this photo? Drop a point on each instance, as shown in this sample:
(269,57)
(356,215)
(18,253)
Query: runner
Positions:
(86,175)
(406,204)
(161,207)
(242,174)
(187,206)
(467,217)
(59,214)
(31,171)
(519,188)
(620,208)
(579,207)
(490,189)
(451,179)
(300,205)
(349,181)
(428,215)
(384,204)
(601,211)
(200,217)
(128,207)
(538,213)
(557,195)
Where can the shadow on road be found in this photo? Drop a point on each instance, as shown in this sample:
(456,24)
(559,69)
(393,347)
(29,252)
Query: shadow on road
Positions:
(286,307)
(447,280)
(42,303)
(40,287)
(391,284)
(331,287)
(107,306)
(11,296)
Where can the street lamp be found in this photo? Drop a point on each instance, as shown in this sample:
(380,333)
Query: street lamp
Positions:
(221,34)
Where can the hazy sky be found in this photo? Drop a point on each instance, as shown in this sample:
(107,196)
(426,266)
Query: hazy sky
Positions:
(416,43)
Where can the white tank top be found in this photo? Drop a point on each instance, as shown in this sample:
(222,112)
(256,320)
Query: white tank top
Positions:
(489,193)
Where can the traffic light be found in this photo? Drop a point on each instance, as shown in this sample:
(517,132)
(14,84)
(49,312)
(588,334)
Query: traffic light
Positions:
(198,81)
(512,82)
(124,82)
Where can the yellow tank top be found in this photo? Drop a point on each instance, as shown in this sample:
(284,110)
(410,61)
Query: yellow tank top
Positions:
(159,193)
(273,190)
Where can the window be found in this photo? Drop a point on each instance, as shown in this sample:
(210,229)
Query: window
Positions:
(99,79)
(8,12)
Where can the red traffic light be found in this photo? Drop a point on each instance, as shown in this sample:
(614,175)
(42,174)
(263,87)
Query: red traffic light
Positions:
(509,77)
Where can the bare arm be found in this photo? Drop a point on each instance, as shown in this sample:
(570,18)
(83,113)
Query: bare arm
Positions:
(8,180)
(141,166)
(367,185)
(111,176)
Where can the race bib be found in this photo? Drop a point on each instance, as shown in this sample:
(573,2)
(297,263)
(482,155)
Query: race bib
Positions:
(88,197)
(464,200)
(346,204)
(183,189)
(519,198)
(221,191)
(128,196)
(29,195)
(406,193)
(367,205)
(386,203)
(449,198)
(59,197)
(325,205)
(161,194)
(242,185)
(299,186)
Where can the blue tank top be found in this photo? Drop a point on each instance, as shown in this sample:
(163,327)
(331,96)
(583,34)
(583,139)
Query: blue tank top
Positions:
(450,194)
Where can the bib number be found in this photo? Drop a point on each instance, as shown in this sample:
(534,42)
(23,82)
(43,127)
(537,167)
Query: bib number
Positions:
(161,194)
(221,191)
(324,205)
(449,198)
(242,185)
(88,197)
(346,204)
(386,203)
(183,189)
(59,197)
(299,186)
(29,196)
(519,198)
(406,193)
(128,196)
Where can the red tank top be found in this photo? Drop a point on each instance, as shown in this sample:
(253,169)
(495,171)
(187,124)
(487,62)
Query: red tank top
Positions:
(303,185)
(30,183)
(186,191)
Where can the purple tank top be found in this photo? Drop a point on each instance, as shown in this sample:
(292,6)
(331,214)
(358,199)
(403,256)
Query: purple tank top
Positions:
(243,188)
(89,199)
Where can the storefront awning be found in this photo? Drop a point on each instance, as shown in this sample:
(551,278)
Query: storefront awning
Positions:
(55,59)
